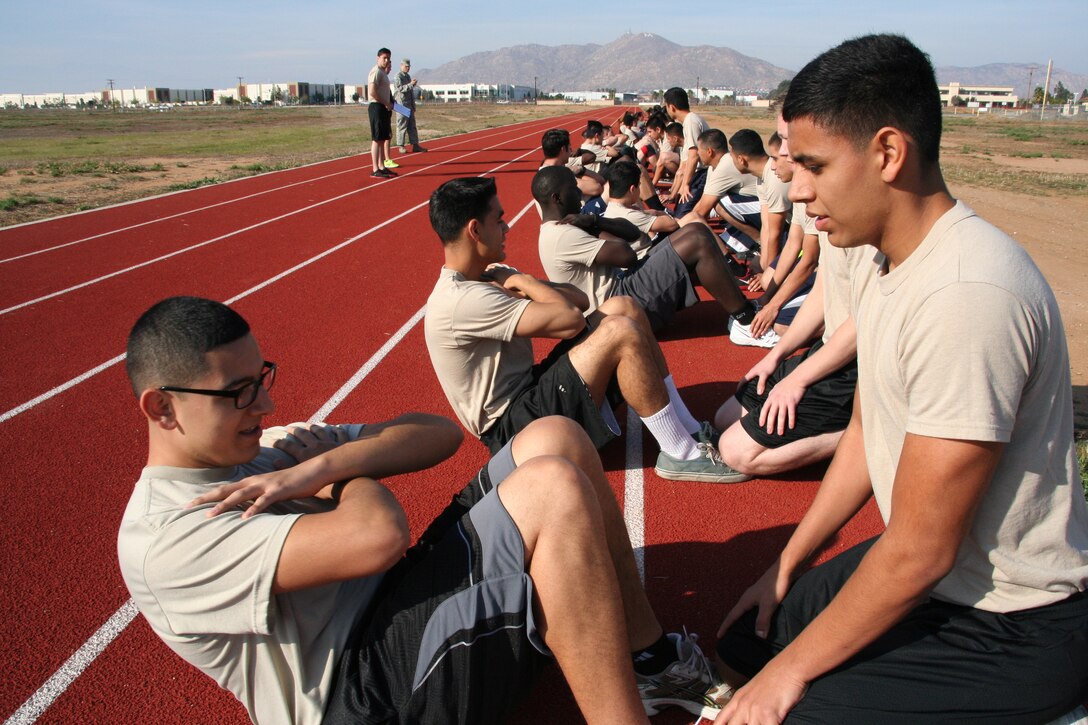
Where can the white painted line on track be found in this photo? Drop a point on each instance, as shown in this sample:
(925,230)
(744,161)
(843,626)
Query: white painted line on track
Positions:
(634,505)
(40,701)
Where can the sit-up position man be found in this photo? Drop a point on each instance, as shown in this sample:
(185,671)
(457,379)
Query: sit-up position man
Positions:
(687,185)
(732,193)
(750,157)
(572,251)
(791,411)
(482,316)
(292,588)
(555,143)
(970,606)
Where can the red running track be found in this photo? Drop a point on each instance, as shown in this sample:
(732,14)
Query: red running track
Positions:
(331,268)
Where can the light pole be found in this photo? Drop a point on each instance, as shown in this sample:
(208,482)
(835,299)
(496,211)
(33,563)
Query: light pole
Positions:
(534,90)
(113,105)
(241,93)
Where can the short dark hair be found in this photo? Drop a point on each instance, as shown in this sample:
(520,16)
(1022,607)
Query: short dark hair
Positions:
(677,96)
(629,118)
(550,180)
(593,128)
(747,142)
(553,141)
(714,140)
(384,51)
(167,345)
(621,176)
(456,202)
(657,121)
(864,84)
(775,140)
(675,129)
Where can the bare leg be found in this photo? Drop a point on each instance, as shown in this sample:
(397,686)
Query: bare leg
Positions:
(628,307)
(618,346)
(746,455)
(696,246)
(376,155)
(576,593)
(561,436)
(729,413)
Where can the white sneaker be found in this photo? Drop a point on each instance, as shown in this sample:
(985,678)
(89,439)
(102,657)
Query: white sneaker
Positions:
(690,682)
(742,335)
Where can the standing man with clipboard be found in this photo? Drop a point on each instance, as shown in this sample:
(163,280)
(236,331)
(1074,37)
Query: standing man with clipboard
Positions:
(404,94)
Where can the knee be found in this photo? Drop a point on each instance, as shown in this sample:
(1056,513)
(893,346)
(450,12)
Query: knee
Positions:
(551,487)
(739,450)
(623,306)
(619,331)
(552,436)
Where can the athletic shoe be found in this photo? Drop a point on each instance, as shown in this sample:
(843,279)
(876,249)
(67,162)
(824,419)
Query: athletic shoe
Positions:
(690,682)
(707,433)
(380,174)
(391,164)
(742,335)
(402,149)
(740,270)
(708,467)
(419,150)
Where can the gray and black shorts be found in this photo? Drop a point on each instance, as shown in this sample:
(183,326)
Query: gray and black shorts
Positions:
(450,637)
(660,283)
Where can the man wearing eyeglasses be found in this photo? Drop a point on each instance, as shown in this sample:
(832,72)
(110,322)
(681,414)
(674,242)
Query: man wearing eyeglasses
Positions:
(282,569)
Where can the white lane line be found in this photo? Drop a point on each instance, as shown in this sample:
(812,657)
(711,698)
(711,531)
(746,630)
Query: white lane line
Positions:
(221,203)
(634,505)
(251,227)
(55,686)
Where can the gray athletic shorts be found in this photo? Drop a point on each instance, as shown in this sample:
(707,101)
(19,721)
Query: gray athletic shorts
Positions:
(661,284)
(450,637)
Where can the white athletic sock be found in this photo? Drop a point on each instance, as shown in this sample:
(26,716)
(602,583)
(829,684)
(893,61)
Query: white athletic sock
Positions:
(610,418)
(665,427)
(686,418)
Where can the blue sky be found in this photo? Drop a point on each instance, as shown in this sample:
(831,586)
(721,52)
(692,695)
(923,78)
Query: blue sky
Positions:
(70,46)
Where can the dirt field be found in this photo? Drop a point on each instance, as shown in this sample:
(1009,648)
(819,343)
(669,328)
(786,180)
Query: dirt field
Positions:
(1028,178)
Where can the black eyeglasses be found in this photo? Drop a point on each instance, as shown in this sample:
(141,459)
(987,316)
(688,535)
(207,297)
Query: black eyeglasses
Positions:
(243,396)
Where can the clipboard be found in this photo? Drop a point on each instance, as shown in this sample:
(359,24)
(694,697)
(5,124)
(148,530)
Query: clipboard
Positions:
(402,110)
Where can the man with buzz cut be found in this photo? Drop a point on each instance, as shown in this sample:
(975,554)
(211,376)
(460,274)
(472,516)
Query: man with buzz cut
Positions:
(555,143)
(732,193)
(599,257)
(483,315)
(380,110)
(687,185)
(971,605)
(279,566)
(750,157)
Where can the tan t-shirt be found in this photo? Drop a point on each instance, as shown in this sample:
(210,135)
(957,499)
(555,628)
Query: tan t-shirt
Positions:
(469,328)
(600,155)
(641,218)
(694,125)
(772,191)
(844,271)
(567,254)
(964,340)
(725,178)
(380,79)
(205,587)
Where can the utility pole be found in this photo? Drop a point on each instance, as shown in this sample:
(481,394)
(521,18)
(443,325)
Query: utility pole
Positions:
(241,93)
(534,90)
(113,104)
(698,93)
(1046,87)
(1031,91)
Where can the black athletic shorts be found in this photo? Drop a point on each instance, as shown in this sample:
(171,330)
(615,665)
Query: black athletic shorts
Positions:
(450,636)
(380,126)
(942,663)
(556,389)
(825,407)
(660,283)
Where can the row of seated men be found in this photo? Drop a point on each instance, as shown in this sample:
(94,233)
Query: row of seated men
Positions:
(280,565)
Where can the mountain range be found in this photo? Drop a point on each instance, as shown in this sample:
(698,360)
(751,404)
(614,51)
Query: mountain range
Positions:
(646,61)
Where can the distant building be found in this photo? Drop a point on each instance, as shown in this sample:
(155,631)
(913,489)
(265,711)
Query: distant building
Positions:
(979,96)
(286,92)
(478,92)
